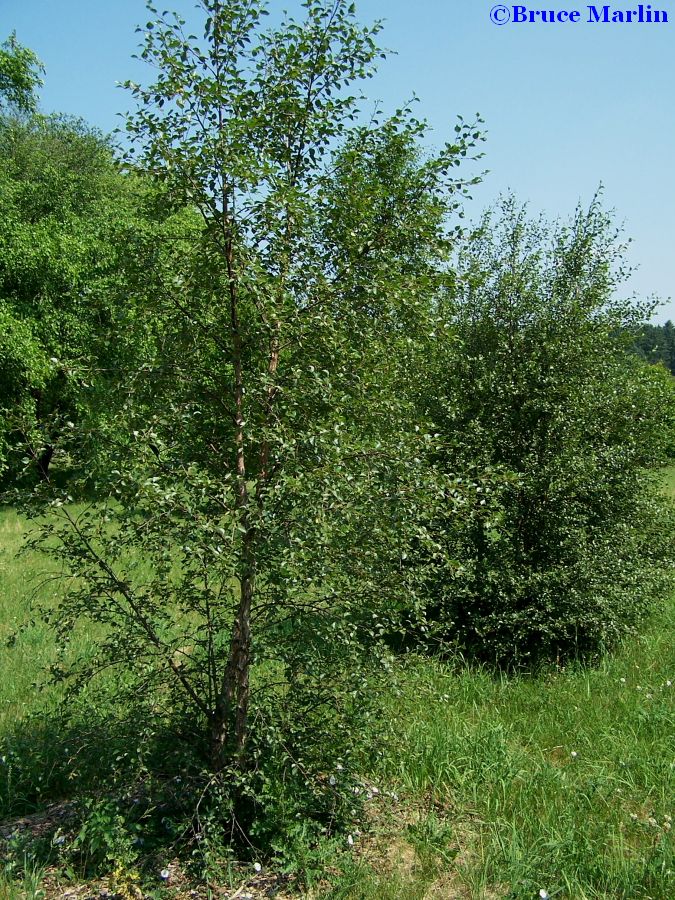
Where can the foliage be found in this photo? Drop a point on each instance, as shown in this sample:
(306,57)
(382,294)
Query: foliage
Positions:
(23,373)
(104,837)
(552,426)
(77,237)
(656,343)
(20,71)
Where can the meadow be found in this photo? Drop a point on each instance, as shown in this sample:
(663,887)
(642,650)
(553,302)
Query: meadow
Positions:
(479,786)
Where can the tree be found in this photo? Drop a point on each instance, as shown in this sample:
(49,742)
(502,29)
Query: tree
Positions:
(267,477)
(656,343)
(553,429)
(77,238)
(20,71)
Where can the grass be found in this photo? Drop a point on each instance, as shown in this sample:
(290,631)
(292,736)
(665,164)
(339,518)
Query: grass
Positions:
(564,783)
(23,666)
(22,885)
(482,787)
(510,786)
(669,482)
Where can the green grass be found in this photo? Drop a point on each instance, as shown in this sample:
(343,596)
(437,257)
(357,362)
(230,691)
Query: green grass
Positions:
(488,787)
(669,481)
(22,885)
(22,666)
(28,582)
(546,783)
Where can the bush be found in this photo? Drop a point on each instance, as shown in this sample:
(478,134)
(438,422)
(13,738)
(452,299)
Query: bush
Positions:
(553,540)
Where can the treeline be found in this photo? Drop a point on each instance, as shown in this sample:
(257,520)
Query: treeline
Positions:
(656,344)
(319,423)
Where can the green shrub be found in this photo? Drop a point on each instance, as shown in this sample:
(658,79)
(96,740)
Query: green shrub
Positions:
(553,540)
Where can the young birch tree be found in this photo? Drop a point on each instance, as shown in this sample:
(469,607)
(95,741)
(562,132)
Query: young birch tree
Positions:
(271,450)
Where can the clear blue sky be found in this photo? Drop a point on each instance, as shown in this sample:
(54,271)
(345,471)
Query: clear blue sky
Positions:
(566,106)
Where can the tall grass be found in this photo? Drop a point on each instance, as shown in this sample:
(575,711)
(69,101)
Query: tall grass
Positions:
(563,783)
(484,787)
(23,663)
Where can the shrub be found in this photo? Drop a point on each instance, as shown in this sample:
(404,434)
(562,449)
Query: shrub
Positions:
(550,428)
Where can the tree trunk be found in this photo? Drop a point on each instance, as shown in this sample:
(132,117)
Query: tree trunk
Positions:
(230,719)
(240,650)
(43,461)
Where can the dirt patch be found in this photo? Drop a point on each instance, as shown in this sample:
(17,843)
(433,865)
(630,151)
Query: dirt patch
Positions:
(38,825)
(261,887)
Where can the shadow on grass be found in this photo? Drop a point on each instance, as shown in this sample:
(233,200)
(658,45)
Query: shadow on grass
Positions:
(98,794)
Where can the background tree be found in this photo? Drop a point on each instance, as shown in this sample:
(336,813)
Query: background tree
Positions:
(656,344)
(20,71)
(553,428)
(78,238)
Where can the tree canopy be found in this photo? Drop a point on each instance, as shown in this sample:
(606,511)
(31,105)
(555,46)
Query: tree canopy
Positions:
(554,429)
(656,344)
(77,236)
(20,72)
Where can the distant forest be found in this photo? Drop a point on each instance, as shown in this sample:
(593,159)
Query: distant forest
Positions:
(656,344)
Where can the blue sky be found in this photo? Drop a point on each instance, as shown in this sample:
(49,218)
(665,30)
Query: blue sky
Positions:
(567,107)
